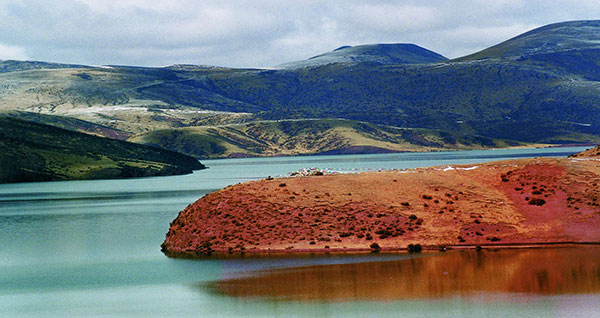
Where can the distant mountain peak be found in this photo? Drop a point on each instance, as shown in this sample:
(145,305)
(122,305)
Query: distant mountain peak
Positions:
(396,53)
(551,38)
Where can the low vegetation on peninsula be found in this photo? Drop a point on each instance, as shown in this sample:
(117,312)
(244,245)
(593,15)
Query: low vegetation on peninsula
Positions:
(524,202)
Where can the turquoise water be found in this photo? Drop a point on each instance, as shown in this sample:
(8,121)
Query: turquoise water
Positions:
(92,248)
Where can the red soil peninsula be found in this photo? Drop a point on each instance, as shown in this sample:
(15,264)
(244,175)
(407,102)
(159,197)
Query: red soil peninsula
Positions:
(507,203)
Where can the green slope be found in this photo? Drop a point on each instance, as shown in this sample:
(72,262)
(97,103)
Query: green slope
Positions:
(552,38)
(35,152)
(300,137)
(70,123)
(568,47)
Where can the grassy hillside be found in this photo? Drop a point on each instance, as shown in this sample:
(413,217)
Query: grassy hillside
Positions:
(35,152)
(294,137)
(567,47)
(478,97)
(70,123)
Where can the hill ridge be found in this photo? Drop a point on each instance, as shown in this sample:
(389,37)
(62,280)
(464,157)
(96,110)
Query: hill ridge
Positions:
(380,53)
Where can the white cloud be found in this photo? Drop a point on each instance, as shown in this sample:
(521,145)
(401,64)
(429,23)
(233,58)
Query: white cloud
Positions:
(395,18)
(473,39)
(11,52)
(261,32)
(113,6)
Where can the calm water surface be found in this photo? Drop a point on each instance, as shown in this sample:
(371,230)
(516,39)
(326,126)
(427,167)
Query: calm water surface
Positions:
(92,248)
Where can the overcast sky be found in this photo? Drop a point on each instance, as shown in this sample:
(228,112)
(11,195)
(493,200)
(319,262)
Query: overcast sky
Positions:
(260,33)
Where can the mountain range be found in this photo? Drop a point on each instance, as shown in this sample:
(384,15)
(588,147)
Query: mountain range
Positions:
(541,87)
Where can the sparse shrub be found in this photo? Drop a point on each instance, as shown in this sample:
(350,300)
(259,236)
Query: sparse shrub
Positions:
(375,247)
(538,202)
(415,248)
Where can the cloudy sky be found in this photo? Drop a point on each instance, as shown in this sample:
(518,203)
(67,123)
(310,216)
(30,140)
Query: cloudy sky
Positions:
(260,33)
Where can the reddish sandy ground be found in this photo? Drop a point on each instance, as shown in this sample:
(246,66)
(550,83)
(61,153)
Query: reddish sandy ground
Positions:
(508,203)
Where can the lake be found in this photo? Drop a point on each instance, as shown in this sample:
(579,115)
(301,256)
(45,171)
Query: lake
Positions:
(92,248)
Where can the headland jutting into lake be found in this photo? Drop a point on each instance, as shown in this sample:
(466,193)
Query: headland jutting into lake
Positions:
(527,202)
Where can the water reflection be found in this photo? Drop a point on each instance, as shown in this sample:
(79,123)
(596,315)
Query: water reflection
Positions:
(453,274)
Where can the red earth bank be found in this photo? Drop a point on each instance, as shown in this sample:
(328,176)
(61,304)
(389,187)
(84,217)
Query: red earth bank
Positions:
(500,204)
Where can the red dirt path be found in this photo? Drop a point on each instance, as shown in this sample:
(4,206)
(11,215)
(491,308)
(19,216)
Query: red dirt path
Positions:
(518,202)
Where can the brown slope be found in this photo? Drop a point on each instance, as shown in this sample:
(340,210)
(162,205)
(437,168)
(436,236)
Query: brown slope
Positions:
(590,153)
(519,202)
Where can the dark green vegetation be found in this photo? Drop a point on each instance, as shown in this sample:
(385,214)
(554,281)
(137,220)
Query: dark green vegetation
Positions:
(70,123)
(540,87)
(325,136)
(35,152)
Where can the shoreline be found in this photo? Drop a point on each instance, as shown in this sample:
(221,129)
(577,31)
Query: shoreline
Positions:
(389,151)
(366,251)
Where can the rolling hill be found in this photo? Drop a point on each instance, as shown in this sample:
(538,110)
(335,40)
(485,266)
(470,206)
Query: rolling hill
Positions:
(569,47)
(302,137)
(36,152)
(397,53)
